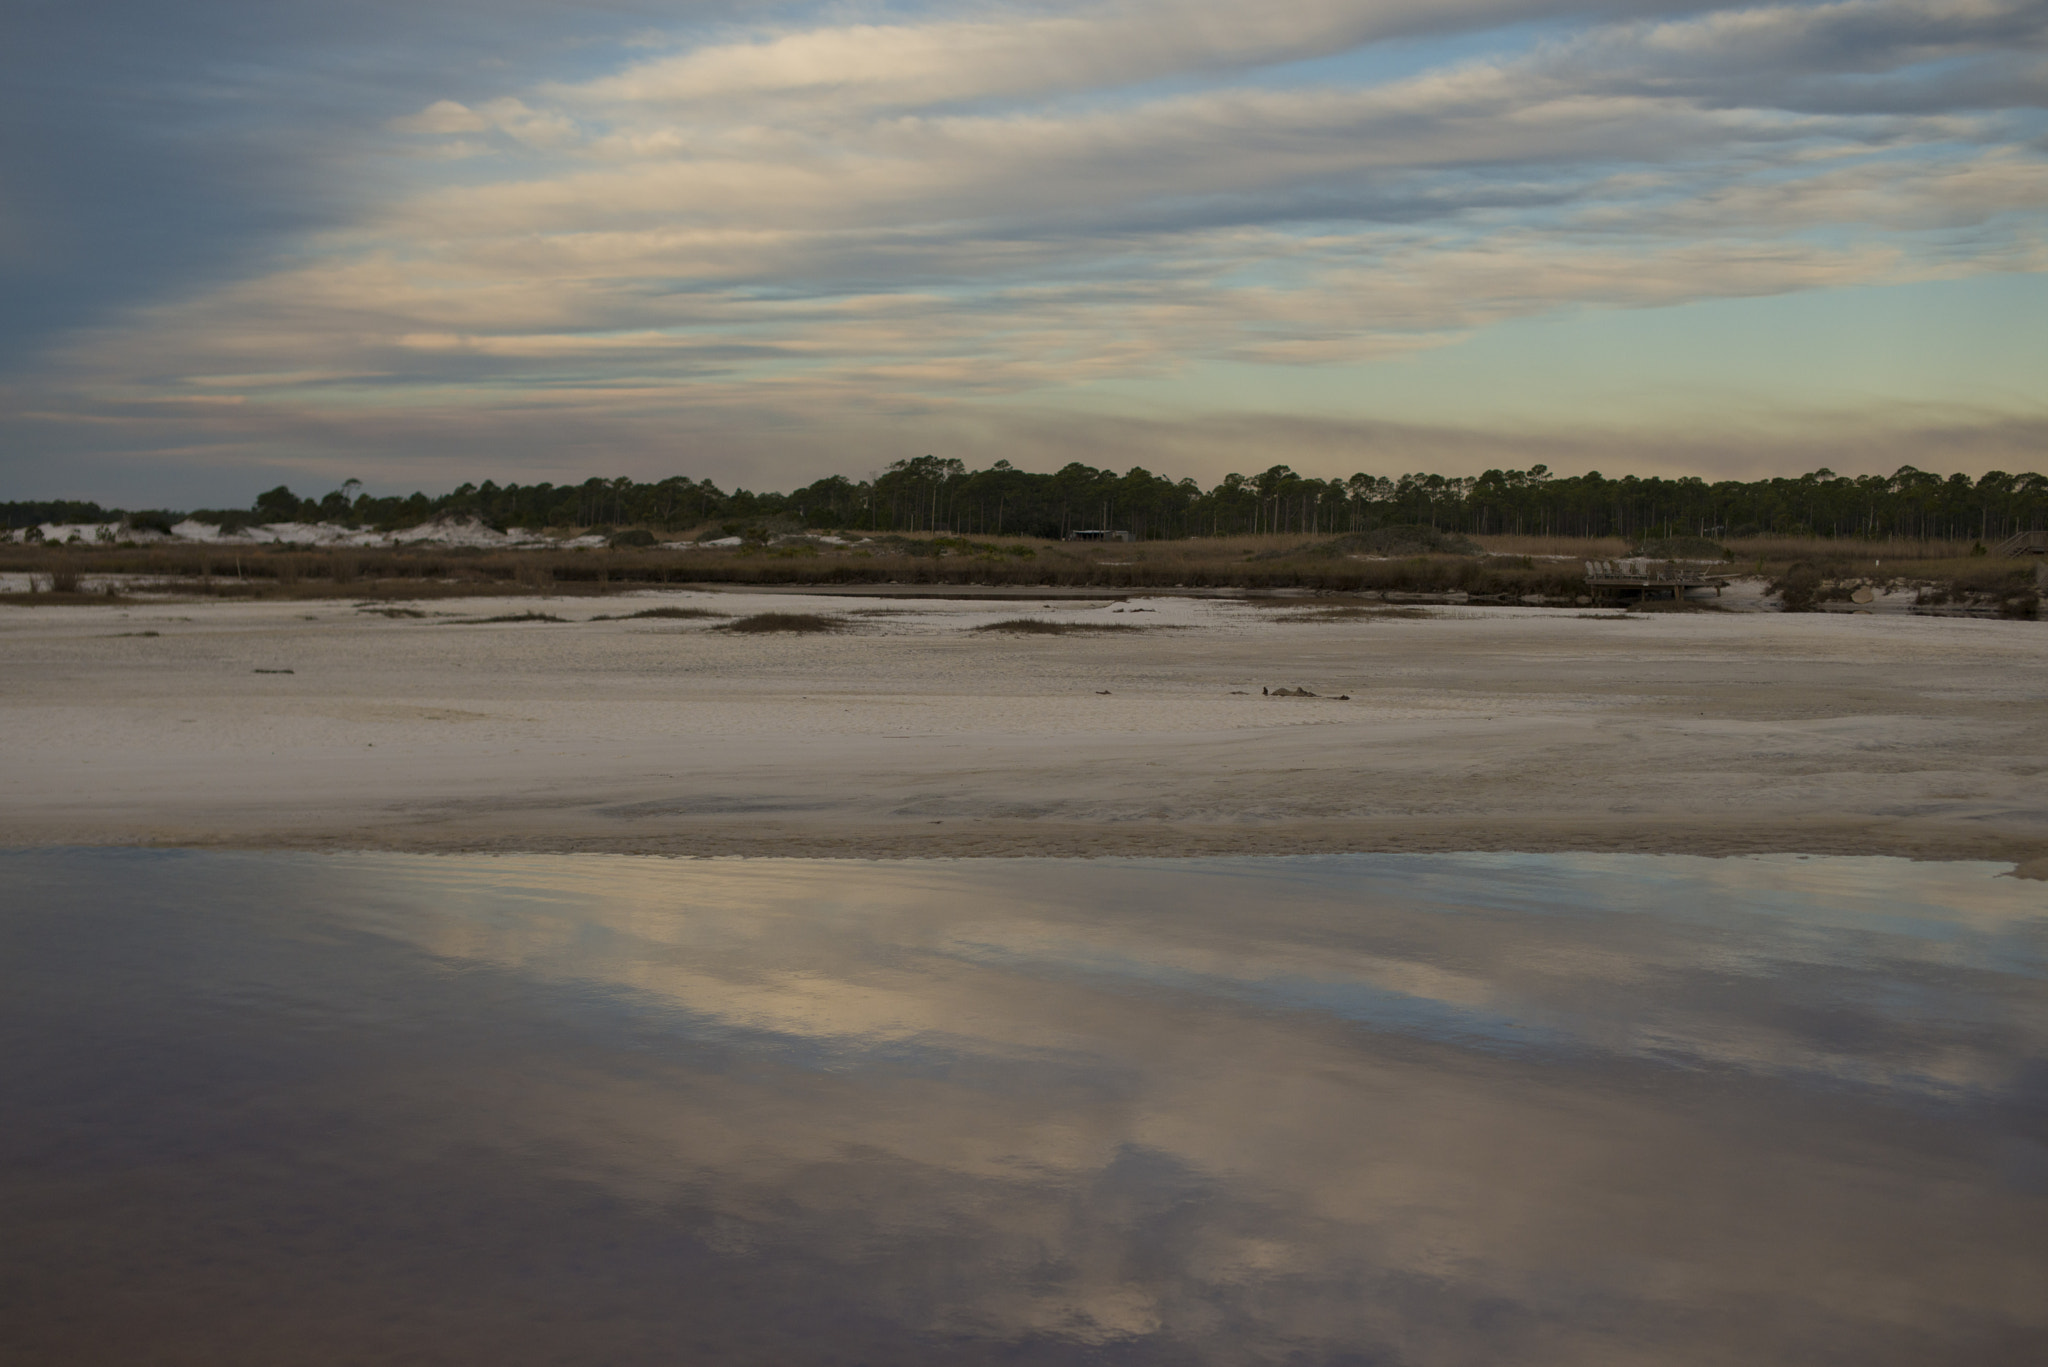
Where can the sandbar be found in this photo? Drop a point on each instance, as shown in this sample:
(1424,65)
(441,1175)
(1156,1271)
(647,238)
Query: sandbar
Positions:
(912,734)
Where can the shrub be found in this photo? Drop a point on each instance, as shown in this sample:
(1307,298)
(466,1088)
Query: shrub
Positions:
(1798,587)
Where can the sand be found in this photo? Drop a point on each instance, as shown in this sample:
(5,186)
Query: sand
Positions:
(912,735)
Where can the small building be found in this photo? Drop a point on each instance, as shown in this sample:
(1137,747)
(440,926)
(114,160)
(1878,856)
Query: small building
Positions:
(1100,536)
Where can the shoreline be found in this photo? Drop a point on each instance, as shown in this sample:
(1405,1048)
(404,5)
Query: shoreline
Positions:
(1679,836)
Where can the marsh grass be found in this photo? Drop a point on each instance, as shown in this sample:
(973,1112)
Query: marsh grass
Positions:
(1039,626)
(81,599)
(765,623)
(507,617)
(1513,568)
(666,614)
(1404,540)
(1361,614)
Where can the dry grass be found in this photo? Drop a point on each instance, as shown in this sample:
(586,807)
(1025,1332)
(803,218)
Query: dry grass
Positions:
(762,623)
(64,600)
(1568,547)
(1785,549)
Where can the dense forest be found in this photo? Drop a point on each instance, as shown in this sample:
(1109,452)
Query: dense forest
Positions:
(932,494)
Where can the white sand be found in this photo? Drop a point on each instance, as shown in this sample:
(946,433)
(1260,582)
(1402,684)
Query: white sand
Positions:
(1478,729)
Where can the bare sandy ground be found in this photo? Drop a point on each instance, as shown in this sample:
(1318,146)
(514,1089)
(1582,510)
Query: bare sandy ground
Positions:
(912,735)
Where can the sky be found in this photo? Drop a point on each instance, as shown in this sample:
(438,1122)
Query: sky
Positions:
(418,242)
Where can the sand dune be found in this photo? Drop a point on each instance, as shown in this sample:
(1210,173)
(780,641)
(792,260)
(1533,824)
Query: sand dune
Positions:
(912,734)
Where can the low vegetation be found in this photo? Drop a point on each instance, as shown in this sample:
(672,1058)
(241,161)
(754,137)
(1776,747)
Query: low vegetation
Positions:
(1811,572)
(507,617)
(1682,548)
(2005,587)
(668,614)
(1403,540)
(1039,626)
(1358,614)
(764,623)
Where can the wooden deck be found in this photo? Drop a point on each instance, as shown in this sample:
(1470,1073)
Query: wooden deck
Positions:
(2023,543)
(1642,578)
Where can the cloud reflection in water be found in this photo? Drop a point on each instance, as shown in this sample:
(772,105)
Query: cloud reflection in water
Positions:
(1421,1108)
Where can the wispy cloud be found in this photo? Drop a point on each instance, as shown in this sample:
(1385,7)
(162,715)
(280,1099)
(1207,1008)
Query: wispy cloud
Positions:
(1023,202)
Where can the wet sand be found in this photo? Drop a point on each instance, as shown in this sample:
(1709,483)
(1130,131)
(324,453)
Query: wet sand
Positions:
(913,735)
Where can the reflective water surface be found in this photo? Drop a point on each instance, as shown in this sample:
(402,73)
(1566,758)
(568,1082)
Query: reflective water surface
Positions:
(1371,1109)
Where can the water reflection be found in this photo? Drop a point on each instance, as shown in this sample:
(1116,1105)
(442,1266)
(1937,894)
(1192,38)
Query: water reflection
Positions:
(1433,1109)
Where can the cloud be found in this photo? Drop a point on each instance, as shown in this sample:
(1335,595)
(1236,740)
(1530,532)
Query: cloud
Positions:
(1020,204)
(443,116)
(1006,53)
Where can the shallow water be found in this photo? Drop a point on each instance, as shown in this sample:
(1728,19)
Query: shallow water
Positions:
(1369,1109)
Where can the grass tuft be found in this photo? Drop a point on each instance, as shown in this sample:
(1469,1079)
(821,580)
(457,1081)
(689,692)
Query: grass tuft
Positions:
(508,617)
(761,623)
(1038,626)
(672,614)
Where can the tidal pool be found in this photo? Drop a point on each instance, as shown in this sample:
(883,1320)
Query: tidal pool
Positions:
(1432,1109)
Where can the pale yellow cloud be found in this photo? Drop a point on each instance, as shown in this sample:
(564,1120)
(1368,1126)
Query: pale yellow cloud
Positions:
(442,117)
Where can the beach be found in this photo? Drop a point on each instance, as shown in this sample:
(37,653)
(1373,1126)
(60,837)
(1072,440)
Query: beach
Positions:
(326,724)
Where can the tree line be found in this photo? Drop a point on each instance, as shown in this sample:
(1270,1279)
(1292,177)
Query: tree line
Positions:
(939,495)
